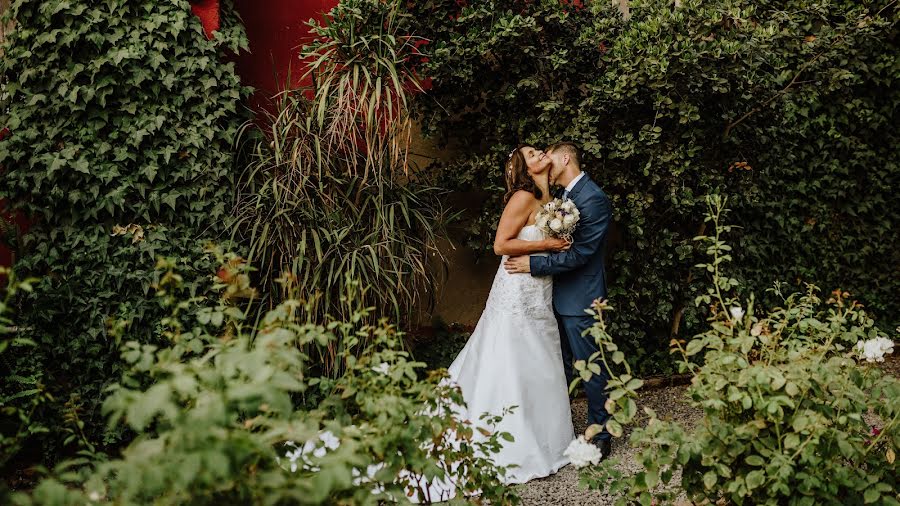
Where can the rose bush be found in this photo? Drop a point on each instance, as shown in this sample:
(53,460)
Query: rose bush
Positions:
(787,401)
(228,410)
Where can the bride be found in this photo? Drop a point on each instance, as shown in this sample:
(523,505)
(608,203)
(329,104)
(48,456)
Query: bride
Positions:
(513,357)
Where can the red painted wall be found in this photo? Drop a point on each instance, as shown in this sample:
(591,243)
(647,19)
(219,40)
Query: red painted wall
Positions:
(276,32)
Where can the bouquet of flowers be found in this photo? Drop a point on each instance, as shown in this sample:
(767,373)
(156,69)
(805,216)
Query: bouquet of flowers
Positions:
(558,218)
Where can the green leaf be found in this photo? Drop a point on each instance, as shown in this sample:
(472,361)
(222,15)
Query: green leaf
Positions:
(695,346)
(755,479)
(791,389)
(709,479)
(755,460)
(871,495)
(614,428)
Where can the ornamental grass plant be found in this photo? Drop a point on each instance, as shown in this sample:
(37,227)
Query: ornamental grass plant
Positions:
(328,190)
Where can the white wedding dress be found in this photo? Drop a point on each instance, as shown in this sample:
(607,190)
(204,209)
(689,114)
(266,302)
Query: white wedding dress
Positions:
(513,358)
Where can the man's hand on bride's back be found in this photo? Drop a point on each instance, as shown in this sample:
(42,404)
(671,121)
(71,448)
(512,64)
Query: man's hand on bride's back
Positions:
(558,244)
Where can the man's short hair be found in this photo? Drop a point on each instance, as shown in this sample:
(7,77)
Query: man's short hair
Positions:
(569,148)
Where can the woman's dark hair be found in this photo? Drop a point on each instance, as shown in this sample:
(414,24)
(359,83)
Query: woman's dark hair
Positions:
(517,176)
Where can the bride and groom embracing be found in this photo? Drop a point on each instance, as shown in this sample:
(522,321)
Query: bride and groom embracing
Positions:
(522,349)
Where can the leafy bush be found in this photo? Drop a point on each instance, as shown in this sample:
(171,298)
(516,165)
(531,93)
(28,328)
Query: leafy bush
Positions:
(328,190)
(438,345)
(16,418)
(219,422)
(786,107)
(122,118)
(787,400)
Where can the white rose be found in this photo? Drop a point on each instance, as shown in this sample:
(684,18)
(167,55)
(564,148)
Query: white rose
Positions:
(556,225)
(568,220)
(329,440)
(582,453)
(298,456)
(874,350)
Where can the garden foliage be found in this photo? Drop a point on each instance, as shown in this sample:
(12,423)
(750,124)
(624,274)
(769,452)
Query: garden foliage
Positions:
(793,412)
(219,422)
(787,107)
(122,117)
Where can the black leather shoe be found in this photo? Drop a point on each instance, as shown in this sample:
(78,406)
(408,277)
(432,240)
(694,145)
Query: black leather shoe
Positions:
(605,447)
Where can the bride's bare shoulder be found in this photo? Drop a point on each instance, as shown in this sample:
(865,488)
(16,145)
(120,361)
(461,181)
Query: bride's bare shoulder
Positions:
(521,203)
(521,198)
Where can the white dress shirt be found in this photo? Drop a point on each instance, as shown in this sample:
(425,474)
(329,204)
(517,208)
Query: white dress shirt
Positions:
(572,184)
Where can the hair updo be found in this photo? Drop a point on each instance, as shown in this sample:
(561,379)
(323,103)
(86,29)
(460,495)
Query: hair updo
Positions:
(517,176)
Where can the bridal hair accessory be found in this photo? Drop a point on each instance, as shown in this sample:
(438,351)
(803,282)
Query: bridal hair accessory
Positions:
(508,160)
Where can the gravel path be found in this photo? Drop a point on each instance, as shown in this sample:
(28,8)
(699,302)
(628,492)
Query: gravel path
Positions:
(563,489)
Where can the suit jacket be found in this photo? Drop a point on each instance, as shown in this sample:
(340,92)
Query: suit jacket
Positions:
(579,274)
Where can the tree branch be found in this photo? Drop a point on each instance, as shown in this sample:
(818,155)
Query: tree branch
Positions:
(781,92)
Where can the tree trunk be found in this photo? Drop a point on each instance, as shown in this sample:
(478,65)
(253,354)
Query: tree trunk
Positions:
(4,27)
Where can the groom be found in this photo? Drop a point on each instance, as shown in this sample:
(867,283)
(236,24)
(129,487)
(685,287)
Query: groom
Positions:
(579,275)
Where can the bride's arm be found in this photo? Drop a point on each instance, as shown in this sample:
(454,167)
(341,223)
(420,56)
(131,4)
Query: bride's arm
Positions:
(513,219)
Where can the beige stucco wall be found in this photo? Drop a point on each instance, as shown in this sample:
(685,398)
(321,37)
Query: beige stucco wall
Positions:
(464,288)
(461,296)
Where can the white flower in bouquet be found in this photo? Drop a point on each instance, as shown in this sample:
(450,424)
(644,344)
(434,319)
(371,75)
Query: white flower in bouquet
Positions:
(558,218)
(582,453)
(737,313)
(874,350)
(382,368)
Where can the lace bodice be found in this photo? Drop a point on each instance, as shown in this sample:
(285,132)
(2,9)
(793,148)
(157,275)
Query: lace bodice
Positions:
(522,293)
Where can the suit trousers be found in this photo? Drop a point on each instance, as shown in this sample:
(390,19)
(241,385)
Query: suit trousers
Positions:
(578,347)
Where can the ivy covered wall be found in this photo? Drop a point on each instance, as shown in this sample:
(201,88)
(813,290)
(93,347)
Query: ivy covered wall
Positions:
(786,107)
(122,118)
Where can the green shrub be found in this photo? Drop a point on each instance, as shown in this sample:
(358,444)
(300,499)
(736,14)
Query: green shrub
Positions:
(439,344)
(17,411)
(219,419)
(122,118)
(788,403)
(786,107)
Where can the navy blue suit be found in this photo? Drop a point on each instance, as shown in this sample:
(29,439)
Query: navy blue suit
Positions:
(579,278)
